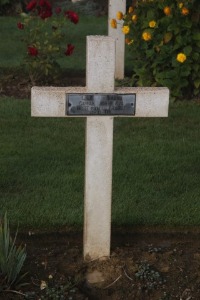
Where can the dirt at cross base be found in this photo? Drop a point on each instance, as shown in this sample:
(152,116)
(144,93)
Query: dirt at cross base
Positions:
(145,263)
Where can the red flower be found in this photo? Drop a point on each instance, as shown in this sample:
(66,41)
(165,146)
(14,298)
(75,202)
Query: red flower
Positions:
(69,50)
(74,18)
(46,4)
(44,9)
(58,10)
(44,13)
(31,5)
(20,25)
(32,51)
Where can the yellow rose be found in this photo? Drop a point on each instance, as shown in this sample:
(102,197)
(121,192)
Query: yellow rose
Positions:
(130,10)
(180,5)
(119,15)
(152,24)
(125,29)
(167,10)
(134,18)
(146,36)
(185,11)
(113,23)
(181,57)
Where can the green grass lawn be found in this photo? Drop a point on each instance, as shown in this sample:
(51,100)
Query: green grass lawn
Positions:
(156,168)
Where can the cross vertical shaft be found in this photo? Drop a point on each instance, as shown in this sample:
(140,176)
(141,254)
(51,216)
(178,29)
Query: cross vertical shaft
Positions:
(114,7)
(98,154)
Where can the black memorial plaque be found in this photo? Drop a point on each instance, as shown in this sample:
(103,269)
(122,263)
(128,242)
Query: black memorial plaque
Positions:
(100,104)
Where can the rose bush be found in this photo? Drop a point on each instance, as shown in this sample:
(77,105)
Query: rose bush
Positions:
(164,40)
(44,32)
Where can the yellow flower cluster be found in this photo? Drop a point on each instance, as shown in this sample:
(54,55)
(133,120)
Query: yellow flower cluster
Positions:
(181,57)
(134,18)
(167,10)
(126,29)
(152,24)
(146,36)
(130,10)
(119,15)
(113,23)
(185,11)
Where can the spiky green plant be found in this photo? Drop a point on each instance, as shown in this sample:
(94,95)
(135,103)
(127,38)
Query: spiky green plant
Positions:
(11,257)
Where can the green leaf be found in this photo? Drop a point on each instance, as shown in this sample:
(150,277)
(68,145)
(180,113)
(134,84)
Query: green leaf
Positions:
(179,40)
(150,15)
(172,26)
(11,257)
(195,67)
(167,37)
(166,82)
(197,83)
(187,24)
(195,56)
(196,92)
(176,31)
(187,50)
(183,83)
(196,36)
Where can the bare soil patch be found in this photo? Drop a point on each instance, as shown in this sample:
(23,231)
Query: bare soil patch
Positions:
(17,84)
(145,264)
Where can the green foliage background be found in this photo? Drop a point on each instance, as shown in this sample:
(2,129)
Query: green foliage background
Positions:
(3,2)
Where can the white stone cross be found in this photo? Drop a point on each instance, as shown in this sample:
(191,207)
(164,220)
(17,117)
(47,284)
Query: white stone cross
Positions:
(99,101)
(118,35)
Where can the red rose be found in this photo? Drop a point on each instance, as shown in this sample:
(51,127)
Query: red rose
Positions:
(44,13)
(58,10)
(74,18)
(32,51)
(31,5)
(20,25)
(69,50)
(45,3)
(44,9)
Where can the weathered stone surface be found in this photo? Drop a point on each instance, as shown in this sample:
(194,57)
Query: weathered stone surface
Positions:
(98,187)
(100,65)
(51,101)
(114,7)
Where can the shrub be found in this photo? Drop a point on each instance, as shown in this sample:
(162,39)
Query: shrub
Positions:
(164,41)
(4,2)
(4,5)
(11,257)
(44,34)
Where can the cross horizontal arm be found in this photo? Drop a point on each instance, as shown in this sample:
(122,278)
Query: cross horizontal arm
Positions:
(51,101)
